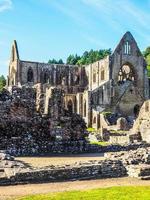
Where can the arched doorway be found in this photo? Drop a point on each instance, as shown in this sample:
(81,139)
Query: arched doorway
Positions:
(30,77)
(136,110)
(70,106)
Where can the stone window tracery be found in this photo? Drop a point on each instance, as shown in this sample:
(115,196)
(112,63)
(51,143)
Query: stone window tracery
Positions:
(125,74)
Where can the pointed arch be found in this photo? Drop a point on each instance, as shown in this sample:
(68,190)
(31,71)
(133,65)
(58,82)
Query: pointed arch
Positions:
(70,106)
(30,75)
(46,77)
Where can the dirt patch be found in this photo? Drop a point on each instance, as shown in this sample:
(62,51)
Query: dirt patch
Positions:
(60,160)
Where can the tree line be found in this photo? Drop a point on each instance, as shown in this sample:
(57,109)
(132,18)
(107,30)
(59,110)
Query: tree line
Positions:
(86,58)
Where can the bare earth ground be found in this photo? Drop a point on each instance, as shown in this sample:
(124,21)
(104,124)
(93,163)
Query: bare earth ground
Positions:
(42,161)
(10,192)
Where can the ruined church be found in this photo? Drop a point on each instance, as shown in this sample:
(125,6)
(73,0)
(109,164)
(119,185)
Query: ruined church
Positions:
(117,84)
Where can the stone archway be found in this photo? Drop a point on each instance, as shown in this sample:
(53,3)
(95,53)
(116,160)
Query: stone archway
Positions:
(70,106)
(136,110)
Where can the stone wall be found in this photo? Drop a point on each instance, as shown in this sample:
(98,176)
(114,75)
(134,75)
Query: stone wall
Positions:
(11,174)
(134,163)
(25,131)
(142,124)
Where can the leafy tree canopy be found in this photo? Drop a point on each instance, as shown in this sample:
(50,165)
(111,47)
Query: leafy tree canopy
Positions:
(2,82)
(87,57)
(146,54)
(53,61)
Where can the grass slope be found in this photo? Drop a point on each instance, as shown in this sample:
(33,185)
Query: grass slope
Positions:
(113,193)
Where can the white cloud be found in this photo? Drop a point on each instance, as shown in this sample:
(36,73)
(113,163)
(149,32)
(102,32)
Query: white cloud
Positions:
(5,5)
(122,15)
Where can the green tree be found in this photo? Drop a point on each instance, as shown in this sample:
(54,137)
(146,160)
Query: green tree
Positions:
(146,54)
(87,57)
(2,82)
(54,61)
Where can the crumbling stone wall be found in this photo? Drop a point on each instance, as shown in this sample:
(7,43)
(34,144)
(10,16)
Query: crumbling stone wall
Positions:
(134,163)
(25,131)
(142,124)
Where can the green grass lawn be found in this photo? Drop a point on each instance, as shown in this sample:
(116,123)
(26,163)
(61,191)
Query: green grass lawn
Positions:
(113,193)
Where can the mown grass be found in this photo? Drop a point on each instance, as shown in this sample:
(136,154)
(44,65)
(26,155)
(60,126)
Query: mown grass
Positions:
(113,193)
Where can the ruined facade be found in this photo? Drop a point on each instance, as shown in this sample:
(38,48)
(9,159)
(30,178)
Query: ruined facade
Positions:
(117,84)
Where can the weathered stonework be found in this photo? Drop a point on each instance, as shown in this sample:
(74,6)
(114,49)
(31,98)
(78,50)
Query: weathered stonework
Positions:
(142,124)
(134,163)
(117,83)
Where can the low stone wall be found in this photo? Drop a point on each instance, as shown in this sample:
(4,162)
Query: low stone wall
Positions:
(134,163)
(78,171)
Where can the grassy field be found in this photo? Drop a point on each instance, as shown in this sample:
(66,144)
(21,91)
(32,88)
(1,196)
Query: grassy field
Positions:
(112,193)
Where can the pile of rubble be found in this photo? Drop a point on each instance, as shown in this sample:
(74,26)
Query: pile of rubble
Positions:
(9,167)
(141,155)
(136,162)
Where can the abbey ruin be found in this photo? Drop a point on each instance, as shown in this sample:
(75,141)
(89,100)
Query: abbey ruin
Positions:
(46,104)
(117,83)
(48,108)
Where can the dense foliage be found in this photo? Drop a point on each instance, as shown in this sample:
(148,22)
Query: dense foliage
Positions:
(87,57)
(53,61)
(146,54)
(2,82)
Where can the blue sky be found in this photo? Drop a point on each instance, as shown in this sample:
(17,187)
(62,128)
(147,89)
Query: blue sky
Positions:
(56,28)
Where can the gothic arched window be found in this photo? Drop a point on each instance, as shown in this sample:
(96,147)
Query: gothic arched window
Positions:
(30,77)
(94,77)
(102,75)
(94,120)
(46,78)
(84,108)
(127,48)
(126,74)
